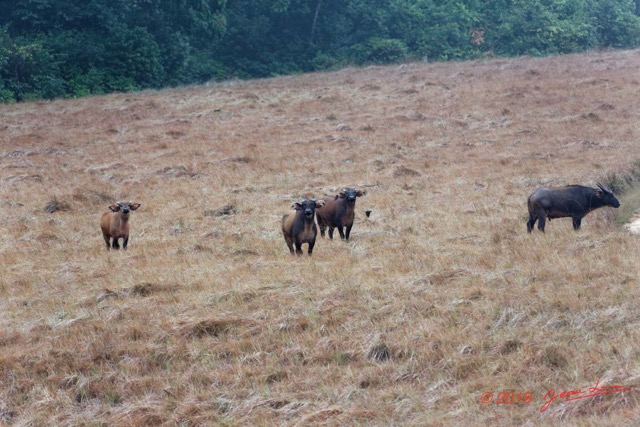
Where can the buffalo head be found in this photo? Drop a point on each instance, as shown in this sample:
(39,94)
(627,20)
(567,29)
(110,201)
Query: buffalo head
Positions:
(125,207)
(608,199)
(308,206)
(350,194)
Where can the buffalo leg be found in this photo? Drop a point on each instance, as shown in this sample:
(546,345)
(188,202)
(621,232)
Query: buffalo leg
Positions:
(289,245)
(311,244)
(531,223)
(298,248)
(347,232)
(125,240)
(576,223)
(341,233)
(331,232)
(541,223)
(115,244)
(323,227)
(106,239)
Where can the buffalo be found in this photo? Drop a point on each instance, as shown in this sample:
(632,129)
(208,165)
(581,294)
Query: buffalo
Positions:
(115,224)
(339,212)
(573,201)
(299,226)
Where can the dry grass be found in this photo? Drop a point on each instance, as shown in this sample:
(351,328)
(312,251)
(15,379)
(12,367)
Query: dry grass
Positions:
(441,294)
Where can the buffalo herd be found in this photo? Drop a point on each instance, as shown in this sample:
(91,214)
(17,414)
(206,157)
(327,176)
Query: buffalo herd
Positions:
(338,211)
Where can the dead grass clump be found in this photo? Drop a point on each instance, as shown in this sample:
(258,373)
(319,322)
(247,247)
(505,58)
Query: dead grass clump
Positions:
(380,352)
(107,293)
(510,346)
(553,357)
(175,134)
(140,415)
(9,338)
(445,276)
(179,171)
(87,390)
(139,290)
(12,179)
(212,327)
(99,169)
(593,117)
(465,369)
(276,377)
(369,381)
(294,325)
(202,248)
(239,159)
(228,209)
(56,205)
(47,238)
(82,195)
(142,289)
(245,252)
(618,182)
(403,171)
(319,417)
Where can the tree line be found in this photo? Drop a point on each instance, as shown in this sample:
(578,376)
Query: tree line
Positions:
(66,48)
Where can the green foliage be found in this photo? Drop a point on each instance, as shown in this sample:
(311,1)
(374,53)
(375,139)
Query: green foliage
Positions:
(201,68)
(83,84)
(538,28)
(324,62)
(379,50)
(6,96)
(617,26)
(625,184)
(65,48)
(29,68)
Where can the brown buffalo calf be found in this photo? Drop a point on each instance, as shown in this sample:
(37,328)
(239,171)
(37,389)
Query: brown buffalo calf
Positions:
(115,224)
(299,226)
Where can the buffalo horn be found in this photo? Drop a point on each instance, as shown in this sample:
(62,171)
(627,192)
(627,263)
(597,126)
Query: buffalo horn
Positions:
(602,187)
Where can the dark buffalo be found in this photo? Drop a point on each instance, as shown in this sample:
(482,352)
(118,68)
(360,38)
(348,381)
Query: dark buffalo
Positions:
(573,201)
(339,212)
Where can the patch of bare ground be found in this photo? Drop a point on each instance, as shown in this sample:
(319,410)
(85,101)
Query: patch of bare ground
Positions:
(439,296)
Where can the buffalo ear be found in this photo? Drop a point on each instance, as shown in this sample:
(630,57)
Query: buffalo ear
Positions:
(599,194)
(360,193)
(297,206)
(134,206)
(319,203)
(341,194)
(114,208)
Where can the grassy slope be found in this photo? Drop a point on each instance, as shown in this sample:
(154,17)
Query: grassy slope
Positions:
(207,319)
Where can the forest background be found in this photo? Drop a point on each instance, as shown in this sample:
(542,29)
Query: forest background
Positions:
(64,48)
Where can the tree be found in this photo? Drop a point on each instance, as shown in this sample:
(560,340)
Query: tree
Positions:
(617,23)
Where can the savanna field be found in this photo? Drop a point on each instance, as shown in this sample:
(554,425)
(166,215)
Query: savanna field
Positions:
(439,297)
